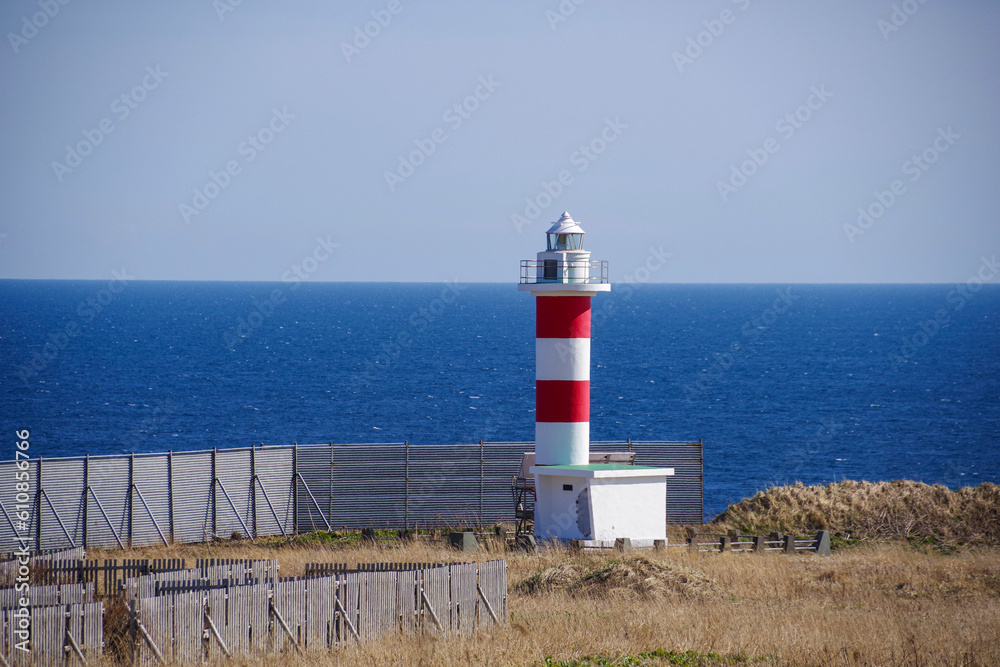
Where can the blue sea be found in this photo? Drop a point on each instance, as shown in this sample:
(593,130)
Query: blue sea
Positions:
(781,382)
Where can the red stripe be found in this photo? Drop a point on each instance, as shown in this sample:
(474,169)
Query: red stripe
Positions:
(562,400)
(562,317)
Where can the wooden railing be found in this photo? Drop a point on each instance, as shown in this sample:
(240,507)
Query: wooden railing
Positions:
(775,542)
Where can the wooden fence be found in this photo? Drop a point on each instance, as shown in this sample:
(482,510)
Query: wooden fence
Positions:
(165,612)
(317,614)
(57,632)
(775,542)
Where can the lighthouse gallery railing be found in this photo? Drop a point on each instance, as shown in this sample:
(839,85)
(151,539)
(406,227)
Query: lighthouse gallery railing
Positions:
(573,272)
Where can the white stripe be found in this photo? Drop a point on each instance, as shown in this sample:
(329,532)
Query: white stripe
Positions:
(562,358)
(562,443)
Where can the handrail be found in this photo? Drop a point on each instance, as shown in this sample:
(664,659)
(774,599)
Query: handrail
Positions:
(532,272)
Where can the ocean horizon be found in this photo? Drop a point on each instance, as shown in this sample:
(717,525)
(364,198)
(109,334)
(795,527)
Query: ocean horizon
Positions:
(781,382)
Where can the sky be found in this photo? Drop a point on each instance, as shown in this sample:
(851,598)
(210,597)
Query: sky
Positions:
(727,141)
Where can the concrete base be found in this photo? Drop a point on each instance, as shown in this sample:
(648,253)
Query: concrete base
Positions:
(621,543)
(464,542)
(601,502)
(526,543)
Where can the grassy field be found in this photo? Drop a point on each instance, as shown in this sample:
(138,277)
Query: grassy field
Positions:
(902,589)
(882,604)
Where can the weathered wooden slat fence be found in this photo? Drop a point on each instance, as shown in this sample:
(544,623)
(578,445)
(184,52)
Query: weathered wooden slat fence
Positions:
(60,635)
(42,596)
(320,613)
(243,607)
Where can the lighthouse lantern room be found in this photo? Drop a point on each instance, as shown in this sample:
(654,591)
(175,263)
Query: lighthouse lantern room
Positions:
(576,499)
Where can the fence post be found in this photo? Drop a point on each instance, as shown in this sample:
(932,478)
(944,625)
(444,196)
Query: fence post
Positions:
(693,543)
(734,536)
(214,499)
(725,543)
(329,495)
(132,622)
(789,544)
(170,493)
(823,543)
(38,507)
(128,500)
(482,464)
(701,479)
(406,478)
(253,489)
(758,544)
(86,496)
(295,488)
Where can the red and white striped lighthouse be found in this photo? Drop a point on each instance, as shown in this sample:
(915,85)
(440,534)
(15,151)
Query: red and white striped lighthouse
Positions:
(576,499)
(563,279)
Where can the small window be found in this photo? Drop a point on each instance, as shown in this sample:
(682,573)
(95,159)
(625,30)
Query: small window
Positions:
(549,269)
(567,487)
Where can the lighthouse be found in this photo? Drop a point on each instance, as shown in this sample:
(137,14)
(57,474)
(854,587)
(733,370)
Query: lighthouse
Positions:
(574,498)
(563,284)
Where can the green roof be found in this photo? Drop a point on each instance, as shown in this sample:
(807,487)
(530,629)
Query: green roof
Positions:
(599,466)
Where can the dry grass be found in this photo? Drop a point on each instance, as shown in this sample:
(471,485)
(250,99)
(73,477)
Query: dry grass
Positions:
(633,577)
(885,604)
(873,510)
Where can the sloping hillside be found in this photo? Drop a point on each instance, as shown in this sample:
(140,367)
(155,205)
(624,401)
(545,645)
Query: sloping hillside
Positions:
(873,510)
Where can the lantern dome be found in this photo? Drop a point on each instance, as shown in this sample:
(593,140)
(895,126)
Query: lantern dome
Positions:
(565,234)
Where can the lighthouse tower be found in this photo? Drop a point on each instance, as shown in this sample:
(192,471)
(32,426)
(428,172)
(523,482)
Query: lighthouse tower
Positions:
(562,280)
(574,498)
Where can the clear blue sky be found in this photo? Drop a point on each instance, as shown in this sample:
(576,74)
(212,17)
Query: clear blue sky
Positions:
(830,102)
